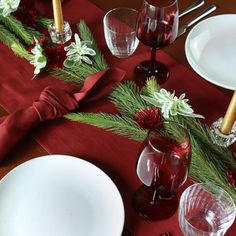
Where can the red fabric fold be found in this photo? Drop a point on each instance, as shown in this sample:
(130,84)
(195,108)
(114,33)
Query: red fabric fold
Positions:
(54,103)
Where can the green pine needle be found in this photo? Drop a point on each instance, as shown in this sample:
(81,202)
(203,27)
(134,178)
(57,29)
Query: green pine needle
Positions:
(18,28)
(84,70)
(13,43)
(151,87)
(75,75)
(33,32)
(44,22)
(67,75)
(127,98)
(117,124)
(203,168)
(86,35)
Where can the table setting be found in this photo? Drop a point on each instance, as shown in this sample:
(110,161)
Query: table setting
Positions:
(117,118)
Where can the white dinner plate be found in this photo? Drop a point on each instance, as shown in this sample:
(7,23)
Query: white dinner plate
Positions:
(59,195)
(211,50)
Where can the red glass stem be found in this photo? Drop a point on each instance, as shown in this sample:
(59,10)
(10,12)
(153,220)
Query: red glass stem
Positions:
(153,59)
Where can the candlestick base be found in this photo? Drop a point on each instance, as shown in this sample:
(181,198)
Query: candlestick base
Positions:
(224,140)
(60,37)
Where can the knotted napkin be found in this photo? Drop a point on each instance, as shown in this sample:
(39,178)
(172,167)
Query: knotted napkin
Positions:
(54,103)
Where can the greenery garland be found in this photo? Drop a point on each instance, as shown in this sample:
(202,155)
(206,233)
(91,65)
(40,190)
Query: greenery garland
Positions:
(209,161)
(16,35)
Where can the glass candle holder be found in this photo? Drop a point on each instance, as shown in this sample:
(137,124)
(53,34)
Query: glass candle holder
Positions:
(60,37)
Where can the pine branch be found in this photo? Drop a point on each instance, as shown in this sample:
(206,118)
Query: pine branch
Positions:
(18,28)
(67,75)
(33,32)
(127,98)
(84,70)
(202,133)
(13,43)
(117,124)
(75,75)
(151,87)
(203,169)
(44,22)
(86,35)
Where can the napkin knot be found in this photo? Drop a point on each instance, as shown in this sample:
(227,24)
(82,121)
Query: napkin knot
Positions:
(54,103)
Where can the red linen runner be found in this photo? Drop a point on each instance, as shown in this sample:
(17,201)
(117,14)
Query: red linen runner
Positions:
(114,154)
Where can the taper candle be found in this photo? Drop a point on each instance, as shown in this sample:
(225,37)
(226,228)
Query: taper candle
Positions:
(58,16)
(230,116)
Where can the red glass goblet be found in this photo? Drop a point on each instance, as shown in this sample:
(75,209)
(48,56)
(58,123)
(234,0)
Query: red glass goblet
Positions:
(157,26)
(162,167)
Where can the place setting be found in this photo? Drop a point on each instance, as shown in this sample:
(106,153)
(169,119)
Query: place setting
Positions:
(59,194)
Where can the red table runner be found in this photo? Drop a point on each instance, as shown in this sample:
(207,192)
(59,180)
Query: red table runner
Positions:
(114,154)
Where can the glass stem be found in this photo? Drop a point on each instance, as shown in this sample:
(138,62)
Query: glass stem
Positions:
(153,59)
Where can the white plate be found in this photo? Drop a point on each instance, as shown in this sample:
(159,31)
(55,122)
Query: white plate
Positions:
(59,195)
(211,50)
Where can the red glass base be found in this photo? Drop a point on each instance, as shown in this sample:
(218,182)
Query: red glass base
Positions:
(160,209)
(144,71)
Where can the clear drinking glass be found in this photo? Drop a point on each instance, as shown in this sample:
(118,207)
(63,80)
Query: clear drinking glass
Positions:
(205,210)
(119,29)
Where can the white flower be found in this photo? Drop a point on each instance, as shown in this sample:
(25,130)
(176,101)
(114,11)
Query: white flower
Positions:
(77,51)
(8,6)
(39,60)
(170,104)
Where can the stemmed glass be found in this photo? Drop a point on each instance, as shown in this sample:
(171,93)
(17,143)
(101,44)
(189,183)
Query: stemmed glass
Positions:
(157,26)
(162,167)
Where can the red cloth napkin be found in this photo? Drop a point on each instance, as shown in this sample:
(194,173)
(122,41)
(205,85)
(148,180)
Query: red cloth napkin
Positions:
(54,103)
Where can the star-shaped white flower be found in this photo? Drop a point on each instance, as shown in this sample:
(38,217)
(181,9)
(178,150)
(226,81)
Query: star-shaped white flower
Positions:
(39,60)
(77,52)
(8,6)
(170,104)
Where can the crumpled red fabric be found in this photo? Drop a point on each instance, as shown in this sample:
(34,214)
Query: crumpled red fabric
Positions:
(54,103)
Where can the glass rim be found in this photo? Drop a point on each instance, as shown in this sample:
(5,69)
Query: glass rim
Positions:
(206,184)
(166,6)
(115,9)
(168,122)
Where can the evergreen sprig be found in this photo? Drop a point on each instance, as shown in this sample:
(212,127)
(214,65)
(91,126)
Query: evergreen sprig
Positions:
(25,33)
(86,35)
(127,99)
(44,22)
(67,75)
(118,124)
(79,73)
(13,43)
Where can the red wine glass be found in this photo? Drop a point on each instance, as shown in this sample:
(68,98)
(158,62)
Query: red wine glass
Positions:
(157,26)
(162,167)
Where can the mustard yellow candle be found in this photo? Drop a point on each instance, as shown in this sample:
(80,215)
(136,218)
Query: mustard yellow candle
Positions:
(230,116)
(58,16)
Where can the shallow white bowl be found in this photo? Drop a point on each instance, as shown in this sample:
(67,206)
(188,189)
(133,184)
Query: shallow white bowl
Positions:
(59,195)
(211,50)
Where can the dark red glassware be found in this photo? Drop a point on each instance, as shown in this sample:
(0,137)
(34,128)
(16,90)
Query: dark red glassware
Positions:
(157,26)
(162,167)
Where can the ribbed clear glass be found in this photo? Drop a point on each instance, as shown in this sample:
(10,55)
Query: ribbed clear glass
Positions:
(205,210)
